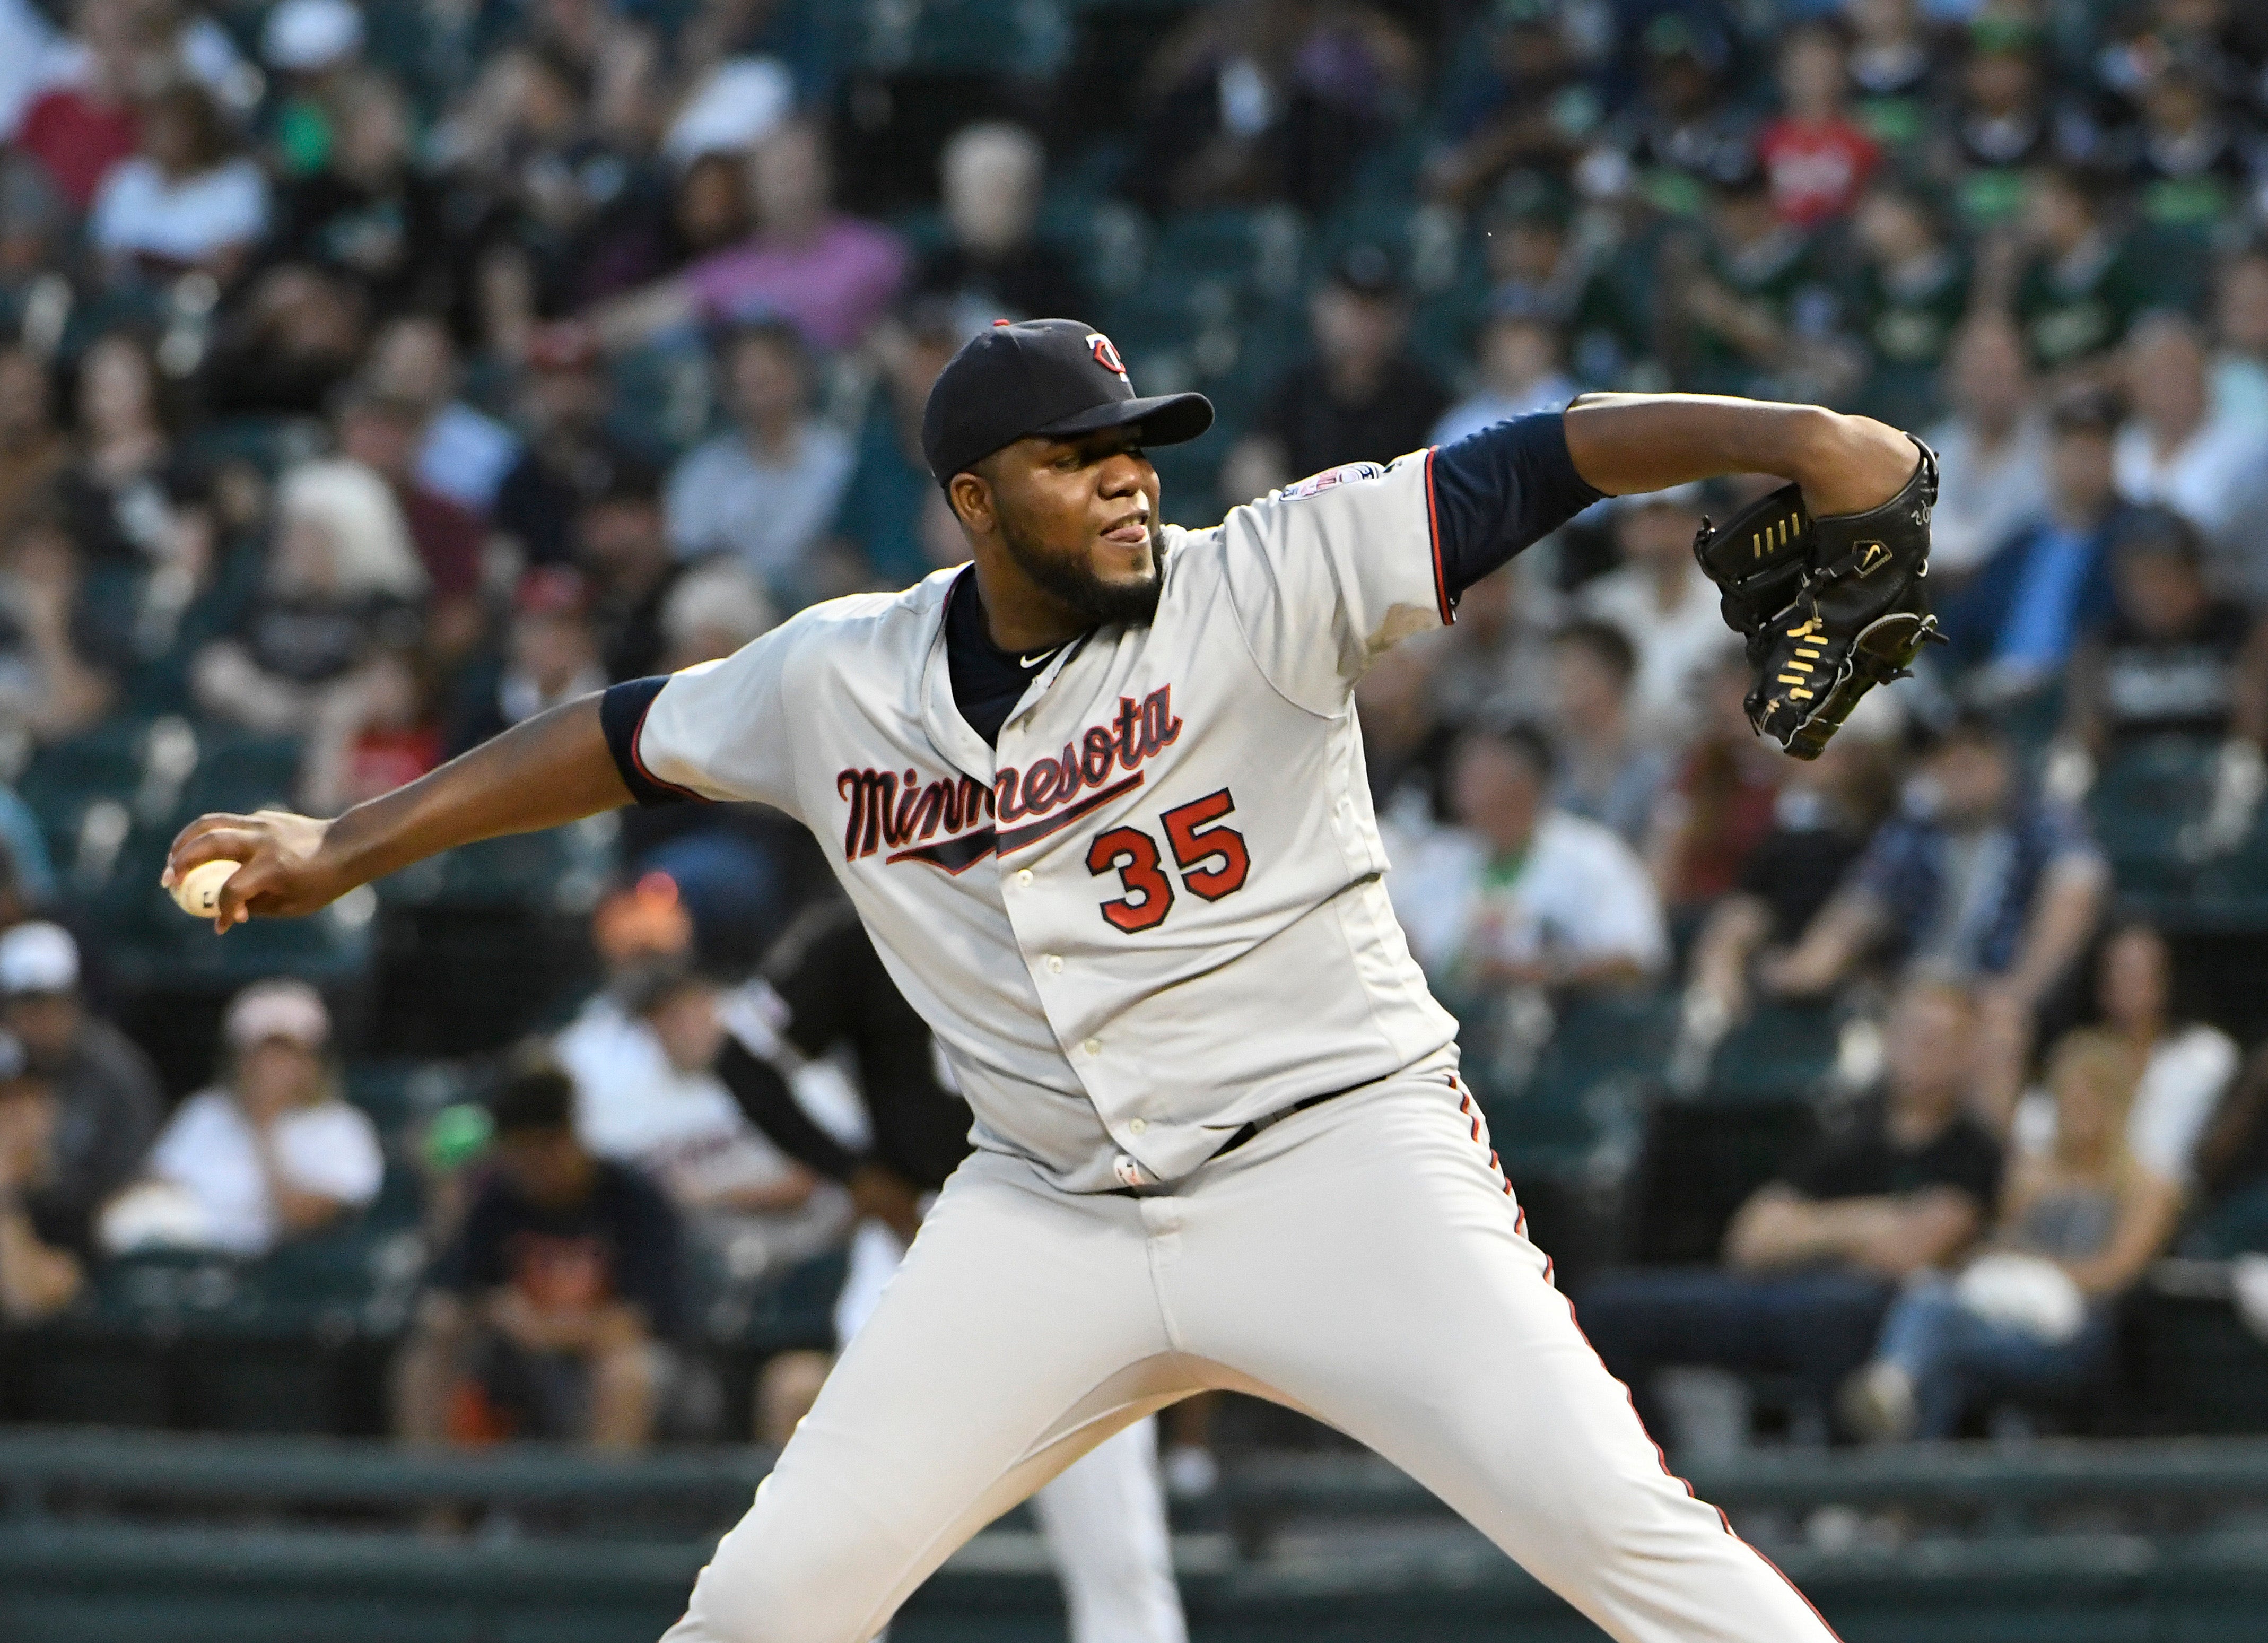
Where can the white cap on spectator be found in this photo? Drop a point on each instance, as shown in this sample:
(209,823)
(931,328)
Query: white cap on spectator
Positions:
(282,1008)
(739,103)
(38,957)
(306,36)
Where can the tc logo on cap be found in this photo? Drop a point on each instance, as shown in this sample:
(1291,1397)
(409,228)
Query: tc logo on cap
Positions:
(1106,354)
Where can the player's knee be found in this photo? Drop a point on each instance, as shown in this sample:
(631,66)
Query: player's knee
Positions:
(779,1578)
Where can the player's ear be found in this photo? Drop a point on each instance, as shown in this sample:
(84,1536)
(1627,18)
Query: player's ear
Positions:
(970,498)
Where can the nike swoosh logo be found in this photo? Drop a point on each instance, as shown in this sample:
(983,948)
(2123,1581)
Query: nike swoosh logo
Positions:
(1033,661)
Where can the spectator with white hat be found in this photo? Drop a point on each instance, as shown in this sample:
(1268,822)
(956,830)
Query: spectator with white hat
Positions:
(268,1152)
(106,1095)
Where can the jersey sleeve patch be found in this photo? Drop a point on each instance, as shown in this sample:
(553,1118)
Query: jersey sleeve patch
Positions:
(1331,478)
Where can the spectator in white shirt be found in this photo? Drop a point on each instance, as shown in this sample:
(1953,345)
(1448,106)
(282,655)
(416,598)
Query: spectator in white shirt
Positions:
(1520,374)
(1992,451)
(270,1152)
(2179,449)
(1522,895)
(182,201)
(766,489)
(1663,604)
(640,1054)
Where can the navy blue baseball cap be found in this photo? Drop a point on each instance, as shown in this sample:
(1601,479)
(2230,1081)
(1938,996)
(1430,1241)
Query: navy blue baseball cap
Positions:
(1057,379)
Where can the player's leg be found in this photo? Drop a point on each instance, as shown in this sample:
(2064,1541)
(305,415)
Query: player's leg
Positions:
(1105,1521)
(1020,1330)
(1364,1263)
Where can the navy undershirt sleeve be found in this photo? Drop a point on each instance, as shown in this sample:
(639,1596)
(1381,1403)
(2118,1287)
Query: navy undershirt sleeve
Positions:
(622,711)
(1498,491)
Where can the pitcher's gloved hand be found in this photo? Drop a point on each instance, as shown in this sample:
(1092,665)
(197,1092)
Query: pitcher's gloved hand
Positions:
(1830,607)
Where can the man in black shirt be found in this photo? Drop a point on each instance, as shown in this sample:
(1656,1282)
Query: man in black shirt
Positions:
(1813,1259)
(557,1292)
(825,990)
(1358,397)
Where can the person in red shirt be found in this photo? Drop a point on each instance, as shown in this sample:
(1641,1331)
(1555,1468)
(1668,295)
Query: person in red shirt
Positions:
(1816,155)
(80,129)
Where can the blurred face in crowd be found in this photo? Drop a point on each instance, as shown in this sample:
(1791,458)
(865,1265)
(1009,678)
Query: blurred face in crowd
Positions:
(47,1022)
(1588,689)
(1355,333)
(413,360)
(381,437)
(1517,353)
(552,647)
(570,399)
(992,179)
(2081,467)
(1744,216)
(373,145)
(765,379)
(1930,1048)
(788,181)
(276,1076)
(2166,376)
(304,560)
(548,1168)
(1811,75)
(1973,779)
(1079,518)
(623,542)
(2136,982)
(915,364)
(1988,378)
(2176,105)
(711,207)
(1999,82)
(685,1021)
(1879,22)
(1496,793)
(1893,228)
(1527,249)
(1655,533)
(24,407)
(304,314)
(117,395)
(2161,590)
(2056,216)
(2241,313)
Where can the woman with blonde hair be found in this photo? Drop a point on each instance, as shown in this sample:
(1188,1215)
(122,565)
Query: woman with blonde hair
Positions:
(341,577)
(2031,1312)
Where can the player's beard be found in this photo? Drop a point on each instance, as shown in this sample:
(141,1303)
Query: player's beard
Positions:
(1071,581)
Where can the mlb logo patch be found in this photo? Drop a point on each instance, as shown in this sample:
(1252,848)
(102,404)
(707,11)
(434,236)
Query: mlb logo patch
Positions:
(1346,474)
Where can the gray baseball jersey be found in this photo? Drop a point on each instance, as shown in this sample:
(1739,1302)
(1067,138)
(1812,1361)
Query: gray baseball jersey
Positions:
(1155,911)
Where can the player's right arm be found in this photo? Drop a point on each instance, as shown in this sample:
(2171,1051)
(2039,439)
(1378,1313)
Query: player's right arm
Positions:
(552,769)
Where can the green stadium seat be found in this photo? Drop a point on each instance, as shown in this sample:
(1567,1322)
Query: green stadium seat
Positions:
(1779,1053)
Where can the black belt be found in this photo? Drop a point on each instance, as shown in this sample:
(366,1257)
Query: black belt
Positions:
(1275,1118)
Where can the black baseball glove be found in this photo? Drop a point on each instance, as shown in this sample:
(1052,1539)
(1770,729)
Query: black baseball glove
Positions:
(1830,607)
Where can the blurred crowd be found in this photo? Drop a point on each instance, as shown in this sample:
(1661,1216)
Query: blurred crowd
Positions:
(374,377)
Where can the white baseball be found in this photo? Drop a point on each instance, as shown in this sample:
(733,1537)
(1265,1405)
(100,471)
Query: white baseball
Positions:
(197,891)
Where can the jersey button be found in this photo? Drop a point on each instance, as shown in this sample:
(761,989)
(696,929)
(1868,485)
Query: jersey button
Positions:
(1055,964)
(1139,1126)
(1092,1046)
(1023,875)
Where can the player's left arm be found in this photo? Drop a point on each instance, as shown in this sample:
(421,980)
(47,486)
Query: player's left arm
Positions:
(1623,443)
(1494,492)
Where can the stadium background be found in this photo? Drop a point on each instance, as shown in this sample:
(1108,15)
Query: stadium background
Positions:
(374,377)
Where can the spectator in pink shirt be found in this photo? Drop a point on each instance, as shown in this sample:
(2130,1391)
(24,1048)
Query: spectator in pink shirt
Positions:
(830,275)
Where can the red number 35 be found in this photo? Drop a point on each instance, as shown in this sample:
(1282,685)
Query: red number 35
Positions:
(1212,858)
